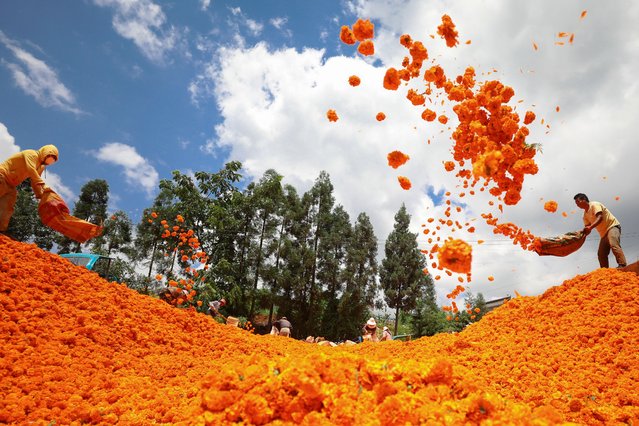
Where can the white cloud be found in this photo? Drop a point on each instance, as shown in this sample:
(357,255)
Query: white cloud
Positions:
(254,26)
(55,182)
(38,79)
(184,143)
(274,102)
(279,22)
(144,23)
(137,170)
(8,145)
(204,4)
(241,20)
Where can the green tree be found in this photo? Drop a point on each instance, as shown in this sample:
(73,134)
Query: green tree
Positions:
(25,224)
(92,207)
(205,201)
(401,275)
(330,266)
(427,319)
(468,314)
(318,204)
(116,235)
(267,197)
(360,278)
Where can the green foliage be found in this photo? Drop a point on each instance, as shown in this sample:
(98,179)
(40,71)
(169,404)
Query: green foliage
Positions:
(427,319)
(274,251)
(92,207)
(116,234)
(359,275)
(25,224)
(401,275)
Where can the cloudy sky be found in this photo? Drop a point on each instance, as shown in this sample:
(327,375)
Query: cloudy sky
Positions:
(130,90)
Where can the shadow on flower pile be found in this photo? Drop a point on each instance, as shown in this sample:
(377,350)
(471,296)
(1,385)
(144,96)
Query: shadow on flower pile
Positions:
(78,349)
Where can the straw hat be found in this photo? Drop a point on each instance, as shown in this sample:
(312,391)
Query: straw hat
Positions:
(371,323)
(385,328)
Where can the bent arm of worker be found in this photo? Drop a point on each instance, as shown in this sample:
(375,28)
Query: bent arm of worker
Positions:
(593,225)
(34,171)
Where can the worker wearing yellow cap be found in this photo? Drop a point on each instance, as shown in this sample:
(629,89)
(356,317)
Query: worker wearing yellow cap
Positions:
(25,164)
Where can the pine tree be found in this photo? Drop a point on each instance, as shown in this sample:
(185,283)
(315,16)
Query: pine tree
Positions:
(330,268)
(401,276)
(25,224)
(360,278)
(92,207)
(266,201)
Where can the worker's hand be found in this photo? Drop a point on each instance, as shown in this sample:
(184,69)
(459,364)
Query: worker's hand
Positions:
(587,230)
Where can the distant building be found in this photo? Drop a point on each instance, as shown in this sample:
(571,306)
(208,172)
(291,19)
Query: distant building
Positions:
(492,304)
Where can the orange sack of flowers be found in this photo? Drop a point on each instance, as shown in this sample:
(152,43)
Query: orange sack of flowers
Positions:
(54,213)
(562,245)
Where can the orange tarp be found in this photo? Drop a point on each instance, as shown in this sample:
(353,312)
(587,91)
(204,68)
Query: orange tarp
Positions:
(54,213)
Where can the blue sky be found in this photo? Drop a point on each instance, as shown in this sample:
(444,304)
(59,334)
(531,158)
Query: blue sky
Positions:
(93,81)
(130,90)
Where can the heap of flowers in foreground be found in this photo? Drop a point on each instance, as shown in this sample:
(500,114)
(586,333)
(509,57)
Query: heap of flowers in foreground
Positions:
(78,349)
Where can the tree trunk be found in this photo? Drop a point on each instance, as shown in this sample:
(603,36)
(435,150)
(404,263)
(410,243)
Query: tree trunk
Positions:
(155,245)
(396,319)
(257,268)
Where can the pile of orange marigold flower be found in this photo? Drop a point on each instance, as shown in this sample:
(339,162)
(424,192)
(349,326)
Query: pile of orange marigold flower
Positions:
(78,349)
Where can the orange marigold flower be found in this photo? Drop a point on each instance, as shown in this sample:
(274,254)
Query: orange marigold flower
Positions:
(583,14)
(346,35)
(418,52)
(179,218)
(380,116)
(396,159)
(354,80)
(391,79)
(366,48)
(449,166)
(415,98)
(404,182)
(158,277)
(550,206)
(529,118)
(428,115)
(154,215)
(332,115)
(406,41)
(491,278)
(447,31)
(442,119)
(455,255)
(363,29)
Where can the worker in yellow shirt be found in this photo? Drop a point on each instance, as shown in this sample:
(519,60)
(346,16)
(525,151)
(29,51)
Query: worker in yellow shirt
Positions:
(597,216)
(25,164)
